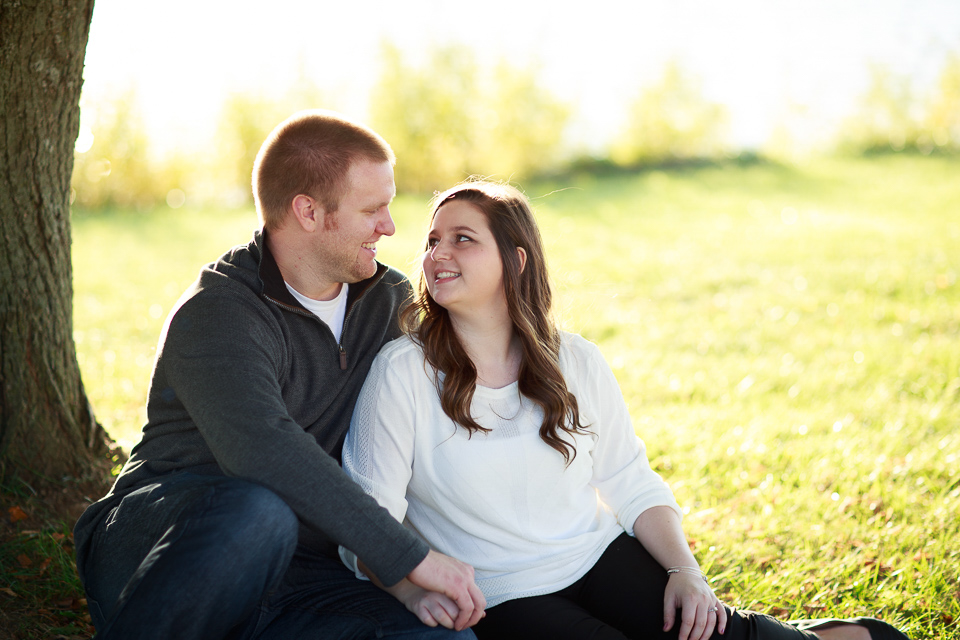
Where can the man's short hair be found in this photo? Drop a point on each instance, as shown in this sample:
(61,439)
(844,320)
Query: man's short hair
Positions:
(311,153)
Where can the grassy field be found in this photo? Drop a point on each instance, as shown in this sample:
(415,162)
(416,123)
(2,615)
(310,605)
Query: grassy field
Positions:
(788,339)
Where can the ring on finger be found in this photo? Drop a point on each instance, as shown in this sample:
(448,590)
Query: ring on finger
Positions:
(712,610)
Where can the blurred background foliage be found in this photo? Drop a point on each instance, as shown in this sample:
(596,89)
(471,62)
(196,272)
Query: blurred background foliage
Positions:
(447,117)
(893,117)
(451,118)
(671,121)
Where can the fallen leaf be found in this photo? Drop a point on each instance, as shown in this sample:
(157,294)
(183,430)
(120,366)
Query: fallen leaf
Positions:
(57,536)
(17,514)
(24,561)
(43,566)
(8,591)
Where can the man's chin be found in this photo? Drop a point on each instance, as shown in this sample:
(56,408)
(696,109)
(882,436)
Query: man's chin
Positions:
(365,271)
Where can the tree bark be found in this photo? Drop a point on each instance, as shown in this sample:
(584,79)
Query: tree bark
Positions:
(47,427)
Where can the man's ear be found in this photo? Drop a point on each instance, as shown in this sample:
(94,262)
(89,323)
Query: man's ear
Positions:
(523,258)
(307,212)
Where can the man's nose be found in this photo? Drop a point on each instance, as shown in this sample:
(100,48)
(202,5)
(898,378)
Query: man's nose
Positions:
(386,227)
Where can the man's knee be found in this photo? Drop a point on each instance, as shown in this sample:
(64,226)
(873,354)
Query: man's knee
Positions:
(255,520)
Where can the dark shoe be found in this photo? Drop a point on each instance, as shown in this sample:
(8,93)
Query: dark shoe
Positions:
(878,629)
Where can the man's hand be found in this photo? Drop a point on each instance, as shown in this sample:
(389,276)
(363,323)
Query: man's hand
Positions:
(453,579)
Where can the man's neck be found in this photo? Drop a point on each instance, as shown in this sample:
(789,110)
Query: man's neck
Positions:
(293,264)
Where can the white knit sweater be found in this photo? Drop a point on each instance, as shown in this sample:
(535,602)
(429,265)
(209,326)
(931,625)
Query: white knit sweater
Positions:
(502,501)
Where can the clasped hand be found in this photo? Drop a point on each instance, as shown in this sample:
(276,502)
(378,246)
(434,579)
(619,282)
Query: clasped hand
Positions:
(700,610)
(441,590)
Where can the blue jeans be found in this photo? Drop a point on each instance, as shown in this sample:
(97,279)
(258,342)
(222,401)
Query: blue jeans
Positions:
(207,557)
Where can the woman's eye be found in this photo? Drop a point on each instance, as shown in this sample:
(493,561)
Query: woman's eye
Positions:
(463,238)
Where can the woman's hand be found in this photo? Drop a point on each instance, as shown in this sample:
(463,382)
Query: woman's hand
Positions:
(431,607)
(700,610)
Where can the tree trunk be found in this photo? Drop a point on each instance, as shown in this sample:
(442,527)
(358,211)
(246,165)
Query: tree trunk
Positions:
(47,428)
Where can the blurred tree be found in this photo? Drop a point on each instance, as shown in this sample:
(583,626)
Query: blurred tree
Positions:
(942,121)
(451,118)
(670,121)
(47,428)
(246,118)
(887,118)
(115,170)
(522,125)
(428,116)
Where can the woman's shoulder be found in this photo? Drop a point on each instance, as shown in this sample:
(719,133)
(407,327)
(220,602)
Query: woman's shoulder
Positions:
(401,354)
(574,345)
(401,350)
(399,361)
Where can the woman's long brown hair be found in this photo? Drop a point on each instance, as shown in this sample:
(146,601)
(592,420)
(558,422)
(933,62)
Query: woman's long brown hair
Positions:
(529,300)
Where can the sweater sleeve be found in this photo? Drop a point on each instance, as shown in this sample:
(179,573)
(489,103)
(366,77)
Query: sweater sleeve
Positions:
(379,449)
(223,360)
(621,471)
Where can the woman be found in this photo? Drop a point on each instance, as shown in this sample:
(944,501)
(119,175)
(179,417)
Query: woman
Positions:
(506,443)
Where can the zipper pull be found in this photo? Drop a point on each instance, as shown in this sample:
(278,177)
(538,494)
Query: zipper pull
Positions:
(343,359)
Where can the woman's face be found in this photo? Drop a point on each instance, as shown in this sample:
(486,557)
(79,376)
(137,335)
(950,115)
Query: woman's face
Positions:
(462,266)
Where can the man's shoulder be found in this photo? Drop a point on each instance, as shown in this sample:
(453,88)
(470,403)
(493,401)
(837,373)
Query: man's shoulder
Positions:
(394,282)
(227,293)
(392,275)
(387,290)
(239,266)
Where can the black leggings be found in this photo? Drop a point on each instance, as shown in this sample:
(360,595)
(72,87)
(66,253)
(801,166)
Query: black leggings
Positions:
(620,598)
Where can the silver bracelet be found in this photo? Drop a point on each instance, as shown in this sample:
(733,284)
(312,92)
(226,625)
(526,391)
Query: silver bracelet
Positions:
(690,570)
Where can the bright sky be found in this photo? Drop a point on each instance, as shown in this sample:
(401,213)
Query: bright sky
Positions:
(762,58)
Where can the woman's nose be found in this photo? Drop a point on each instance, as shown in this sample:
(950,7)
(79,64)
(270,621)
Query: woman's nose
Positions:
(436,253)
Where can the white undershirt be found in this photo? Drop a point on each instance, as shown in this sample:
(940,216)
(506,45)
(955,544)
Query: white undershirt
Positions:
(330,311)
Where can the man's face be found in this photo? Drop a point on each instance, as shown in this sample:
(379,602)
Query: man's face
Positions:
(346,245)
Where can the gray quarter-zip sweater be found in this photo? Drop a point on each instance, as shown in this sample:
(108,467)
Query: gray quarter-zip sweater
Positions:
(249,384)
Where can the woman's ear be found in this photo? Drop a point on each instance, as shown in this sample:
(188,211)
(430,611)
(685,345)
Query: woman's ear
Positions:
(523,258)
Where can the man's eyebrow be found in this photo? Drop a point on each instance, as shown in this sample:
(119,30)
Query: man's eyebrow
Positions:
(383,203)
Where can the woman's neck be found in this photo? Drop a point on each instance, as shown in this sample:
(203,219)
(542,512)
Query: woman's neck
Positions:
(493,348)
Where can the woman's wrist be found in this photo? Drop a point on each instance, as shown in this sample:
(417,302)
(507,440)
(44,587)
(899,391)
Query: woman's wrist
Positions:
(693,571)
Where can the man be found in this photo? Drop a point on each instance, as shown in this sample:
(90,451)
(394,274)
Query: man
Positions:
(225,521)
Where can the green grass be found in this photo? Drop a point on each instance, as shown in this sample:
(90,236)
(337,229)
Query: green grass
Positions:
(788,340)
(40,593)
